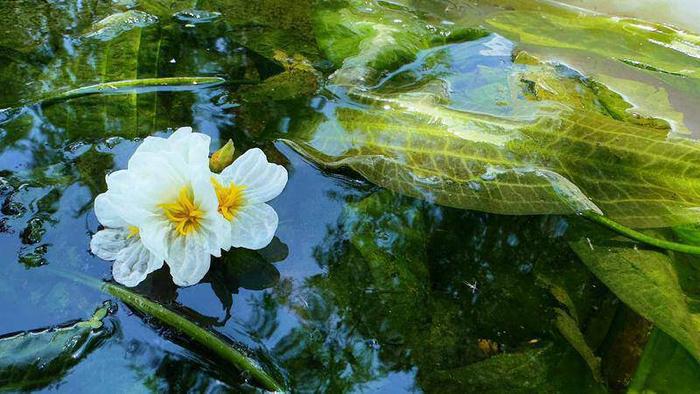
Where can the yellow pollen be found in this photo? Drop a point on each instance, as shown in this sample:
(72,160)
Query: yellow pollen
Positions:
(183,213)
(133,231)
(231,198)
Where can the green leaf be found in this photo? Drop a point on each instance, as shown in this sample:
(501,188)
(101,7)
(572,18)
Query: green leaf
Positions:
(652,46)
(657,55)
(660,286)
(657,50)
(467,127)
(545,369)
(365,38)
(130,86)
(580,310)
(33,360)
(665,367)
(299,79)
(568,327)
(689,233)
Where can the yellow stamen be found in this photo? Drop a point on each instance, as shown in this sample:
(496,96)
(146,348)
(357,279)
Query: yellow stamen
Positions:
(231,198)
(133,231)
(183,213)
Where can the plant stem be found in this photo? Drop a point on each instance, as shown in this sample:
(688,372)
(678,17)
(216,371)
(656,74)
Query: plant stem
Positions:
(641,237)
(192,330)
(128,86)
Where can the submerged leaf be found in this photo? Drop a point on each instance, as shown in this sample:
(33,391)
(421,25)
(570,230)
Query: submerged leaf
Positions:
(365,38)
(543,369)
(660,286)
(34,359)
(299,79)
(266,26)
(651,46)
(568,327)
(232,355)
(465,126)
(130,86)
(666,367)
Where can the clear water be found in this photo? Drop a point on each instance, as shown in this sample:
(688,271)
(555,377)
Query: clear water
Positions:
(361,290)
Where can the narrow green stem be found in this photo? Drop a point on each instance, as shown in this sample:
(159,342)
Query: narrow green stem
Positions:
(641,237)
(192,330)
(128,86)
(196,333)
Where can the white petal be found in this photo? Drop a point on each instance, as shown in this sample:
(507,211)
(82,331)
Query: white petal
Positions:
(123,199)
(193,147)
(152,145)
(106,244)
(109,213)
(263,181)
(134,263)
(156,235)
(203,190)
(162,168)
(253,226)
(190,148)
(188,259)
(216,231)
(118,180)
(180,134)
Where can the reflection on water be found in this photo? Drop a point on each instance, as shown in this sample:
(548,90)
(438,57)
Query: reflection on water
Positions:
(362,289)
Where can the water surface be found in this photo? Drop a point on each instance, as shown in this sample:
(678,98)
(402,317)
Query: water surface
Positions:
(362,289)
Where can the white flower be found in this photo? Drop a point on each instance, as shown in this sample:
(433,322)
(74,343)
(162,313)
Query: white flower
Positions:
(168,206)
(242,190)
(162,208)
(132,261)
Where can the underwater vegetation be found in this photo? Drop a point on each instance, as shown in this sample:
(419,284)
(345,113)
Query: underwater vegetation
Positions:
(482,196)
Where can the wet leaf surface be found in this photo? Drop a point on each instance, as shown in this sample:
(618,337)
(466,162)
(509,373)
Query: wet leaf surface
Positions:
(400,124)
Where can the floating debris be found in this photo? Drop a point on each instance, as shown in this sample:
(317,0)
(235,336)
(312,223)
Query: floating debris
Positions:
(194,17)
(119,23)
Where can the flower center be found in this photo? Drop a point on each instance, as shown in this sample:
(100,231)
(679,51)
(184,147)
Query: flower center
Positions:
(230,197)
(184,213)
(133,232)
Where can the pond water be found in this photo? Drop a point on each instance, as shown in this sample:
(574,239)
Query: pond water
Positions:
(683,13)
(364,287)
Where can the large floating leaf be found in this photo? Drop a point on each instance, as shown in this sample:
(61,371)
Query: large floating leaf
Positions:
(34,359)
(467,127)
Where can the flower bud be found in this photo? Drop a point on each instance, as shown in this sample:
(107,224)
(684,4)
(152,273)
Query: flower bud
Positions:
(222,158)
